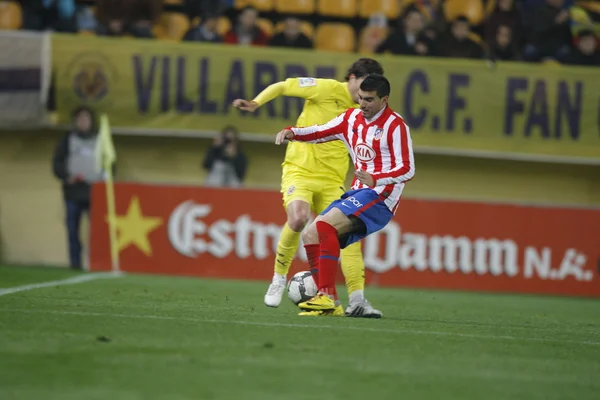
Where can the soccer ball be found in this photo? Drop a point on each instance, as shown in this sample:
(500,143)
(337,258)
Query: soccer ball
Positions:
(302,287)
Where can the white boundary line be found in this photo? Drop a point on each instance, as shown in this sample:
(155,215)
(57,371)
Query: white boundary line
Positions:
(69,281)
(315,326)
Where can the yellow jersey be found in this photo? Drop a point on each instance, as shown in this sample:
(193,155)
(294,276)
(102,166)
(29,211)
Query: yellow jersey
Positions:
(325,99)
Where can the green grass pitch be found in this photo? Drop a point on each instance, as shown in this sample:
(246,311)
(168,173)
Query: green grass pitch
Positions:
(153,337)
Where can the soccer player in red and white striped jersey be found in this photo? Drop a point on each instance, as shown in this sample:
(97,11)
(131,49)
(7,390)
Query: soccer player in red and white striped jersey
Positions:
(379,142)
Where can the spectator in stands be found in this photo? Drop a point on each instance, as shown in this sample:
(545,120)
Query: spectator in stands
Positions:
(57,15)
(225,162)
(207,31)
(134,17)
(204,8)
(424,46)
(549,35)
(404,39)
(74,163)
(246,31)
(86,19)
(586,51)
(504,47)
(505,14)
(458,44)
(291,36)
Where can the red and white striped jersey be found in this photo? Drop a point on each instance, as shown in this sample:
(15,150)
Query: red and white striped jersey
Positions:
(382,147)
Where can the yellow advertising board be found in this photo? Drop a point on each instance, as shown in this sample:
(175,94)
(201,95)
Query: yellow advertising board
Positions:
(454,105)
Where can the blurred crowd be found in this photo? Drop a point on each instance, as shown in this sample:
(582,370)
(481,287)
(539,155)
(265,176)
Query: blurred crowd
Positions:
(523,30)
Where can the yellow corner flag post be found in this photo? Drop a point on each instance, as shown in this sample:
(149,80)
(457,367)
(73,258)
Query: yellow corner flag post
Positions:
(106,156)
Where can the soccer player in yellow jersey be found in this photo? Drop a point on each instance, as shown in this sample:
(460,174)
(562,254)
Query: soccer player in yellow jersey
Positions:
(314,176)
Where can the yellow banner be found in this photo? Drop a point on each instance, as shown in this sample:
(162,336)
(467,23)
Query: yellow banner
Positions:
(451,104)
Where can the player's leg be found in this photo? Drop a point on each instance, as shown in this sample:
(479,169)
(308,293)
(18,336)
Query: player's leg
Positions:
(353,265)
(297,205)
(324,232)
(348,220)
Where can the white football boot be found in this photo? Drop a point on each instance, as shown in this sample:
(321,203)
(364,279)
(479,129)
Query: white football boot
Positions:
(275,291)
(362,309)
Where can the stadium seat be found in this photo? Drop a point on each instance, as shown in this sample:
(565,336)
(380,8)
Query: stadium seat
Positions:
(241,3)
(472,9)
(172,2)
(337,8)
(334,36)
(391,8)
(295,6)
(266,25)
(307,28)
(10,15)
(224,25)
(171,26)
(593,6)
(261,5)
(370,38)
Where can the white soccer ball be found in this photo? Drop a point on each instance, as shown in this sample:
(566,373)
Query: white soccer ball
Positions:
(302,287)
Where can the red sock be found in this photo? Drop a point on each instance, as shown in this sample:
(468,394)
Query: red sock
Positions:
(328,258)
(312,253)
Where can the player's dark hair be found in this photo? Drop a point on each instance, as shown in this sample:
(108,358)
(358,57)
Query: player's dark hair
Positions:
(363,67)
(376,83)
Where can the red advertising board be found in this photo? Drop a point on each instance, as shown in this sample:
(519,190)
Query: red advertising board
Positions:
(230,233)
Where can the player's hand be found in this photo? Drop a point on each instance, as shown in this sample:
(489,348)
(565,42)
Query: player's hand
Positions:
(245,105)
(285,134)
(365,178)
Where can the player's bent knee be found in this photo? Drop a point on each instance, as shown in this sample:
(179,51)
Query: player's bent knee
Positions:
(297,222)
(310,235)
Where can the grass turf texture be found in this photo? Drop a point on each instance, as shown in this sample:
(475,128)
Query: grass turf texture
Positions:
(149,337)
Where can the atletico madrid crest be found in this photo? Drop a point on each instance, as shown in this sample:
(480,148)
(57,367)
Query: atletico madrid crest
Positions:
(378,133)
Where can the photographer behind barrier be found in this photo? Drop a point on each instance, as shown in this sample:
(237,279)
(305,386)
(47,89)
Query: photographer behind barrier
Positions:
(225,162)
(74,163)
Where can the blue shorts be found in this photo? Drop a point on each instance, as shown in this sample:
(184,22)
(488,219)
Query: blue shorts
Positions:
(366,205)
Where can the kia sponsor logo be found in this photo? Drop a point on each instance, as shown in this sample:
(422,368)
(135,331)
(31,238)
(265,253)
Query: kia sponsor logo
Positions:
(364,153)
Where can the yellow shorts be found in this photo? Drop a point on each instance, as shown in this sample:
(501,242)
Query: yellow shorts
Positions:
(319,193)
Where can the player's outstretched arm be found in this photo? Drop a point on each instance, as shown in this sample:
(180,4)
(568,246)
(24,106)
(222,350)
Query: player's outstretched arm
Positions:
(269,93)
(306,88)
(332,130)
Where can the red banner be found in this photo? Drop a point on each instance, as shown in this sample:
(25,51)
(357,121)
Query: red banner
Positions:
(228,233)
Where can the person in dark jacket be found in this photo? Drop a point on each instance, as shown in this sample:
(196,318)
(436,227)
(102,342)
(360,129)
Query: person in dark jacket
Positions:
(404,40)
(246,32)
(58,15)
(74,163)
(225,162)
(505,14)
(207,31)
(586,52)
(291,36)
(458,44)
(504,48)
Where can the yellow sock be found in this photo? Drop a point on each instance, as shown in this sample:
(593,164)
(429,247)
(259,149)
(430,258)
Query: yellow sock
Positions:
(353,267)
(286,249)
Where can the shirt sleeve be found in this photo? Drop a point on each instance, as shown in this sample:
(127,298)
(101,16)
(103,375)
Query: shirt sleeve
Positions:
(306,88)
(332,130)
(400,145)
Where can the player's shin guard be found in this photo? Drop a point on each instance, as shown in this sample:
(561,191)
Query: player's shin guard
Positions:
(312,254)
(328,258)
(286,249)
(353,268)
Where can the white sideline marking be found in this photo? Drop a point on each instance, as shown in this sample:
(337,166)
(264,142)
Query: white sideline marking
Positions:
(292,325)
(69,281)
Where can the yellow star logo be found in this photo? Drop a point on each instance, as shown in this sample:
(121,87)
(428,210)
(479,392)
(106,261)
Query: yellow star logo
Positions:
(134,228)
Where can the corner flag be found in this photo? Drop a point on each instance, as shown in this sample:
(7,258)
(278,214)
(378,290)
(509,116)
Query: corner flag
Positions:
(106,156)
